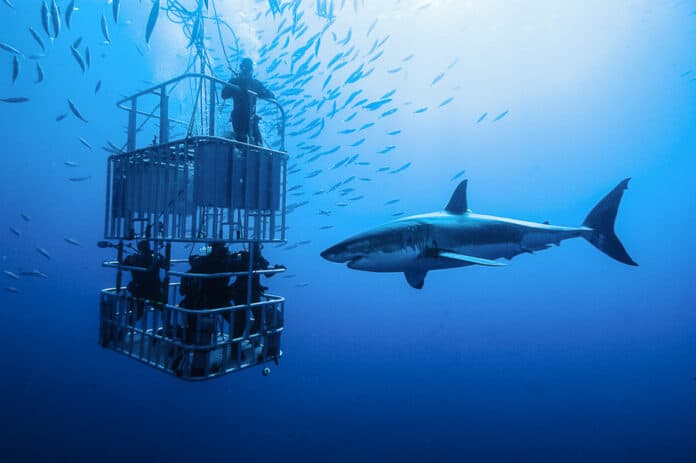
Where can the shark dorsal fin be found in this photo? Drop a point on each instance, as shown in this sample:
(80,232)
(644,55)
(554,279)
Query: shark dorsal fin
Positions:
(458,203)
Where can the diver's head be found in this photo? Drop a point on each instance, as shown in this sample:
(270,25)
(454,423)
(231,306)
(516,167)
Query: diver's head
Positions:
(246,68)
(218,248)
(144,246)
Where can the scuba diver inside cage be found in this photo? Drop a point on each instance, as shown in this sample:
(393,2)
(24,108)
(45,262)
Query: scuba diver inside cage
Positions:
(204,293)
(243,104)
(145,284)
(214,292)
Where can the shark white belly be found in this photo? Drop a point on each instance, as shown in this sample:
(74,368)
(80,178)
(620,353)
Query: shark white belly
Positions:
(456,237)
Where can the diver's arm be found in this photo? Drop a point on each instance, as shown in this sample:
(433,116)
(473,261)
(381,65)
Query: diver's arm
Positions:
(276,267)
(229,91)
(262,91)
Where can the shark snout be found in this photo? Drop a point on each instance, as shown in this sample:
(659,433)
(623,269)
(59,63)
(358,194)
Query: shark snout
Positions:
(333,254)
(341,253)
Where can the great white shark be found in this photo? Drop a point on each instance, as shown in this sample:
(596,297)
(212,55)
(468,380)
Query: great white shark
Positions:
(457,237)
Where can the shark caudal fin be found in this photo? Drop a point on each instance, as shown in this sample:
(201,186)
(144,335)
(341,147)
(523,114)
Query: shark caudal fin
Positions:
(601,221)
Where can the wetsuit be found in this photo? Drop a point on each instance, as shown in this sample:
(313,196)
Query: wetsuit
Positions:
(240,113)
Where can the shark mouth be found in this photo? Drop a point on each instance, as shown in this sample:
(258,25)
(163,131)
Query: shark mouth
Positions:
(352,262)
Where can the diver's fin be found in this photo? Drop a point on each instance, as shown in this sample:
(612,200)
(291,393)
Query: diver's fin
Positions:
(458,203)
(415,278)
(469,259)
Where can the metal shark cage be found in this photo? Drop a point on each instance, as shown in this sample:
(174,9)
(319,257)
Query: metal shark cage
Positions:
(198,188)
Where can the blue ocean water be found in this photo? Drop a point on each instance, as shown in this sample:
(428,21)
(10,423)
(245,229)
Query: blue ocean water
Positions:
(565,355)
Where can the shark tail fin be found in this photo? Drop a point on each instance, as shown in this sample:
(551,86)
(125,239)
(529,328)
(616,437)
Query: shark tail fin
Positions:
(601,220)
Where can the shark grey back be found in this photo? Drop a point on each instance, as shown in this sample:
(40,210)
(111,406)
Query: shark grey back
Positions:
(457,237)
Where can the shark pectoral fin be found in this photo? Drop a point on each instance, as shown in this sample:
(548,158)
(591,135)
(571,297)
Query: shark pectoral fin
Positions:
(470,259)
(415,278)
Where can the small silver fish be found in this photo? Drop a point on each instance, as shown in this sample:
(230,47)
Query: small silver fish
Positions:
(12,275)
(457,175)
(34,273)
(69,12)
(76,54)
(97,87)
(38,39)
(401,169)
(152,20)
(105,30)
(72,241)
(55,18)
(25,217)
(302,285)
(15,69)
(71,164)
(113,147)
(44,253)
(372,26)
(45,18)
(17,99)
(85,143)
(15,232)
(437,78)
(79,179)
(501,115)
(76,111)
(39,73)
(116,10)
(12,289)
(9,3)
(9,48)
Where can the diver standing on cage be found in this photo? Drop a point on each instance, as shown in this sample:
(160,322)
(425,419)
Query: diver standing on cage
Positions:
(242,105)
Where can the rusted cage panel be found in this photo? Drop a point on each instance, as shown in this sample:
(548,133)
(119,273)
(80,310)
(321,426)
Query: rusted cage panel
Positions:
(197,189)
(192,344)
